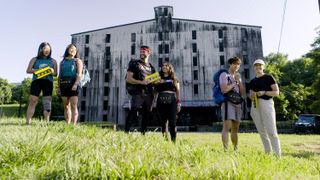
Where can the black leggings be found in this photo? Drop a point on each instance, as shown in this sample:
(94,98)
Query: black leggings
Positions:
(168,112)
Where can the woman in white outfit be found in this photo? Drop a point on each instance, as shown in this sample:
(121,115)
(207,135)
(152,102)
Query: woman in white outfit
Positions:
(262,90)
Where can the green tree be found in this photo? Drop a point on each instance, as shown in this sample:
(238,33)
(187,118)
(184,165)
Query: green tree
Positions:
(314,54)
(5,91)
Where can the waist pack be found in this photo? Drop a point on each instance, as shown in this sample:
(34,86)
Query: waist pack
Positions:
(67,82)
(234,97)
(166,98)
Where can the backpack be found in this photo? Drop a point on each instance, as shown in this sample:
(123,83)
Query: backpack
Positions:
(218,96)
(85,76)
(133,89)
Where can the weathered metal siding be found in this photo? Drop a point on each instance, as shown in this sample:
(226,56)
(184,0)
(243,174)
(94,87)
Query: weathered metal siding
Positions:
(238,40)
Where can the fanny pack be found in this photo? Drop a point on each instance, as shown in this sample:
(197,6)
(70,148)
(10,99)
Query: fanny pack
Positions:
(234,97)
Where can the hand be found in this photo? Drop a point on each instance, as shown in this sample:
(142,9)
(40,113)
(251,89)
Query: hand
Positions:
(52,70)
(74,87)
(178,107)
(261,93)
(58,91)
(144,82)
(237,77)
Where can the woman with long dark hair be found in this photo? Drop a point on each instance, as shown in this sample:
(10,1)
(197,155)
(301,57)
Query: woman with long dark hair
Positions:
(69,82)
(43,68)
(168,100)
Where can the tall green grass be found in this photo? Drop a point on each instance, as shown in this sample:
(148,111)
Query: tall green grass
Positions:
(58,151)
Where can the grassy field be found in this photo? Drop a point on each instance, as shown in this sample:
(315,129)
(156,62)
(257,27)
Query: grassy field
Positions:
(10,110)
(57,151)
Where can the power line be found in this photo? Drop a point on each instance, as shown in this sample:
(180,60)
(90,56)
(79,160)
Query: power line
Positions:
(283,18)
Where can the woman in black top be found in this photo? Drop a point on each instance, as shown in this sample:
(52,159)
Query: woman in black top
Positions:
(168,101)
(262,89)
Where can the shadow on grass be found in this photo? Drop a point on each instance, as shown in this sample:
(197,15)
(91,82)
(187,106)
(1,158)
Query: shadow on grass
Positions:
(302,154)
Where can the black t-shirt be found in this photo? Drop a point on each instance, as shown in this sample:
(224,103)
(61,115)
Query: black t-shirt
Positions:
(140,70)
(262,83)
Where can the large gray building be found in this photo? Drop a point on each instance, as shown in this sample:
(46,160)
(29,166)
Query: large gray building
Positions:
(196,48)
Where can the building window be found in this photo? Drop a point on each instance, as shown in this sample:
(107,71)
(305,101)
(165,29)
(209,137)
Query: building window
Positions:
(166,35)
(105,105)
(160,49)
(160,37)
(220,33)
(246,74)
(108,52)
(86,63)
(106,91)
(165,11)
(166,48)
(195,75)
(105,117)
(81,118)
(195,89)
(84,91)
(107,63)
(108,38)
(83,105)
(133,49)
(133,37)
(166,59)
(87,39)
(86,51)
(194,34)
(106,77)
(160,62)
(245,59)
(222,60)
(195,61)
(247,88)
(221,48)
(194,47)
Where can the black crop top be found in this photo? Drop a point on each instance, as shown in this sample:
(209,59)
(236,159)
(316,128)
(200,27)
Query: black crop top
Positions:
(168,85)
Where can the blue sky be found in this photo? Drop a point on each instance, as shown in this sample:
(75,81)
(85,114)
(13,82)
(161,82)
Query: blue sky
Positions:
(27,23)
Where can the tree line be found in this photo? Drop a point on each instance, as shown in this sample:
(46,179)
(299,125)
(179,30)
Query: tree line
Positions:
(299,82)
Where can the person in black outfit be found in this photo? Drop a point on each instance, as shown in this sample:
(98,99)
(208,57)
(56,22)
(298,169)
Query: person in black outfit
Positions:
(168,101)
(142,94)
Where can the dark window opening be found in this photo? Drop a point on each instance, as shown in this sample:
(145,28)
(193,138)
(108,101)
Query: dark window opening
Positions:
(195,61)
(220,33)
(246,74)
(108,52)
(194,34)
(160,62)
(166,11)
(245,59)
(160,49)
(160,37)
(133,49)
(133,37)
(84,91)
(221,48)
(166,48)
(166,59)
(106,77)
(86,63)
(105,105)
(247,88)
(106,91)
(107,63)
(87,39)
(108,38)
(195,75)
(83,105)
(222,60)
(195,89)
(194,47)
(86,51)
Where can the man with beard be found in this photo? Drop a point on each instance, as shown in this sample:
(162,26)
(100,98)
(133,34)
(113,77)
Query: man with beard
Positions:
(142,94)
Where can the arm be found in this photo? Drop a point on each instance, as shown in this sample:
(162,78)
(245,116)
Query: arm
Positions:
(239,83)
(30,69)
(55,68)
(274,92)
(178,97)
(225,87)
(131,80)
(79,74)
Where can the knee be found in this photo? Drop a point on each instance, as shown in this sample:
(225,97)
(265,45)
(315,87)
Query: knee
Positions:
(46,102)
(33,102)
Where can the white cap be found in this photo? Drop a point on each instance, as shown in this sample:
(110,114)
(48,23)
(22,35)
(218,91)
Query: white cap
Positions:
(258,61)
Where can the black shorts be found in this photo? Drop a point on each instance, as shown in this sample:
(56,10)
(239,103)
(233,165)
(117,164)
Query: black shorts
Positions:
(44,85)
(67,91)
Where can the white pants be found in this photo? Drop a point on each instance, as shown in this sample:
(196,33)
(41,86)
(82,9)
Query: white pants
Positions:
(264,117)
